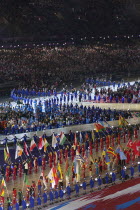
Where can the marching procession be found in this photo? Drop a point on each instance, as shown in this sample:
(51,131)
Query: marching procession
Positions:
(66,163)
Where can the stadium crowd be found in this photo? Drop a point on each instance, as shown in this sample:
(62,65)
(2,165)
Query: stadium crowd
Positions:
(32,68)
(22,118)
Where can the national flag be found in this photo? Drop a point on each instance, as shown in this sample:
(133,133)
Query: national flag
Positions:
(53,177)
(46,144)
(50,174)
(54,141)
(3,185)
(19,151)
(117,150)
(60,171)
(79,157)
(129,143)
(99,127)
(62,139)
(56,178)
(80,138)
(122,155)
(32,145)
(122,122)
(75,140)
(77,170)
(6,155)
(111,151)
(26,149)
(26,180)
(136,147)
(40,143)
(2,192)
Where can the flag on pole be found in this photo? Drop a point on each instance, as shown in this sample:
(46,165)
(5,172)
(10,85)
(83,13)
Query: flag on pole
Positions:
(60,171)
(26,149)
(40,143)
(77,171)
(62,139)
(79,157)
(121,153)
(55,175)
(46,144)
(122,122)
(54,141)
(136,147)
(51,177)
(80,137)
(6,155)
(19,151)
(32,145)
(111,151)
(3,185)
(99,127)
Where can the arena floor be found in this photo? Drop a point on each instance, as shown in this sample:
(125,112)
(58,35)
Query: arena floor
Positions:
(121,196)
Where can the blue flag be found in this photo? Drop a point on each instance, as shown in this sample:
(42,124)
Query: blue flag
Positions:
(122,155)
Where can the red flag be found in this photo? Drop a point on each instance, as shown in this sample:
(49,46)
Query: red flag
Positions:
(26,149)
(32,145)
(99,127)
(130,143)
(56,178)
(40,143)
(136,147)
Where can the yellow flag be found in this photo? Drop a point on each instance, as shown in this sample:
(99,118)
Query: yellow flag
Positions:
(60,171)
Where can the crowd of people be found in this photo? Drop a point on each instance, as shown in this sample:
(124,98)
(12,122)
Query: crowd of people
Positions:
(23,118)
(31,68)
(94,159)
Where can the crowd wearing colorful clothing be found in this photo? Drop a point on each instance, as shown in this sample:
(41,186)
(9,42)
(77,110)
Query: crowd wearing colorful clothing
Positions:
(83,151)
